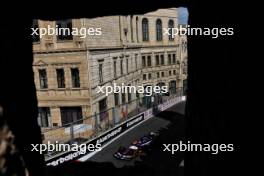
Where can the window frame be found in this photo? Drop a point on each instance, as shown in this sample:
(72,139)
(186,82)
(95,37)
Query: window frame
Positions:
(75,84)
(60,78)
(67,24)
(170,26)
(43,81)
(145,30)
(149,62)
(44,112)
(143,60)
(159,36)
(100,72)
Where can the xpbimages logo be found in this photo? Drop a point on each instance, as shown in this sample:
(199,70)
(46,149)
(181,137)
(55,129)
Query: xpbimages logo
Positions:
(147,90)
(190,147)
(83,32)
(51,147)
(205,31)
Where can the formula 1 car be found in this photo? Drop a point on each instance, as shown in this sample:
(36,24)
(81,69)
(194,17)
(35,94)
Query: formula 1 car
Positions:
(129,153)
(145,141)
(136,148)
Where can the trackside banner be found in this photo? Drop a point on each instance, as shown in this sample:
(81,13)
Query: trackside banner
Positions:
(102,139)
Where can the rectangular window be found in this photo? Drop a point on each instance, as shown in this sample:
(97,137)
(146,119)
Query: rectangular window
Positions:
(169,73)
(101,73)
(162,59)
(115,69)
(103,109)
(158,75)
(43,78)
(144,77)
(174,58)
(75,77)
(116,97)
(169,59)
(70,115)
(143,61)
(149,61)
(157,59)
(162,74)
(60,78)
(174,72)
(121,66)
(64,29)
(102,105)
(149,76)
(44,114)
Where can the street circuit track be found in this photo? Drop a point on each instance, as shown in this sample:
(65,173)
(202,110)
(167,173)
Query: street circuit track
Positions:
(171,127)
(158,123)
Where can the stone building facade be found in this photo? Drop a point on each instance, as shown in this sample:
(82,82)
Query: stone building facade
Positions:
(132,50)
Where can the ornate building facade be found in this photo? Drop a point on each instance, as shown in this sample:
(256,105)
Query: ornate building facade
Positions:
(131,49)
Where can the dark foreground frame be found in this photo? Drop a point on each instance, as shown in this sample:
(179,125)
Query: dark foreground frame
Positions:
(210,114)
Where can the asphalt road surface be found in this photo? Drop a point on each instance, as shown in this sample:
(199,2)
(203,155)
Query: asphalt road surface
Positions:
(169,123)
(153,124)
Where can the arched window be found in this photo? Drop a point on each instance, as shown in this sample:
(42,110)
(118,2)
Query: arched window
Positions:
(137,28)
(170,25)
(131,28)
(145,30)
(159,30)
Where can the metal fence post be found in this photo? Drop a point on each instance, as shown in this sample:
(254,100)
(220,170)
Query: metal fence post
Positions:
(114,116)
(72,132)
(126,111)
(137,101)
(108,118)
(95,122)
